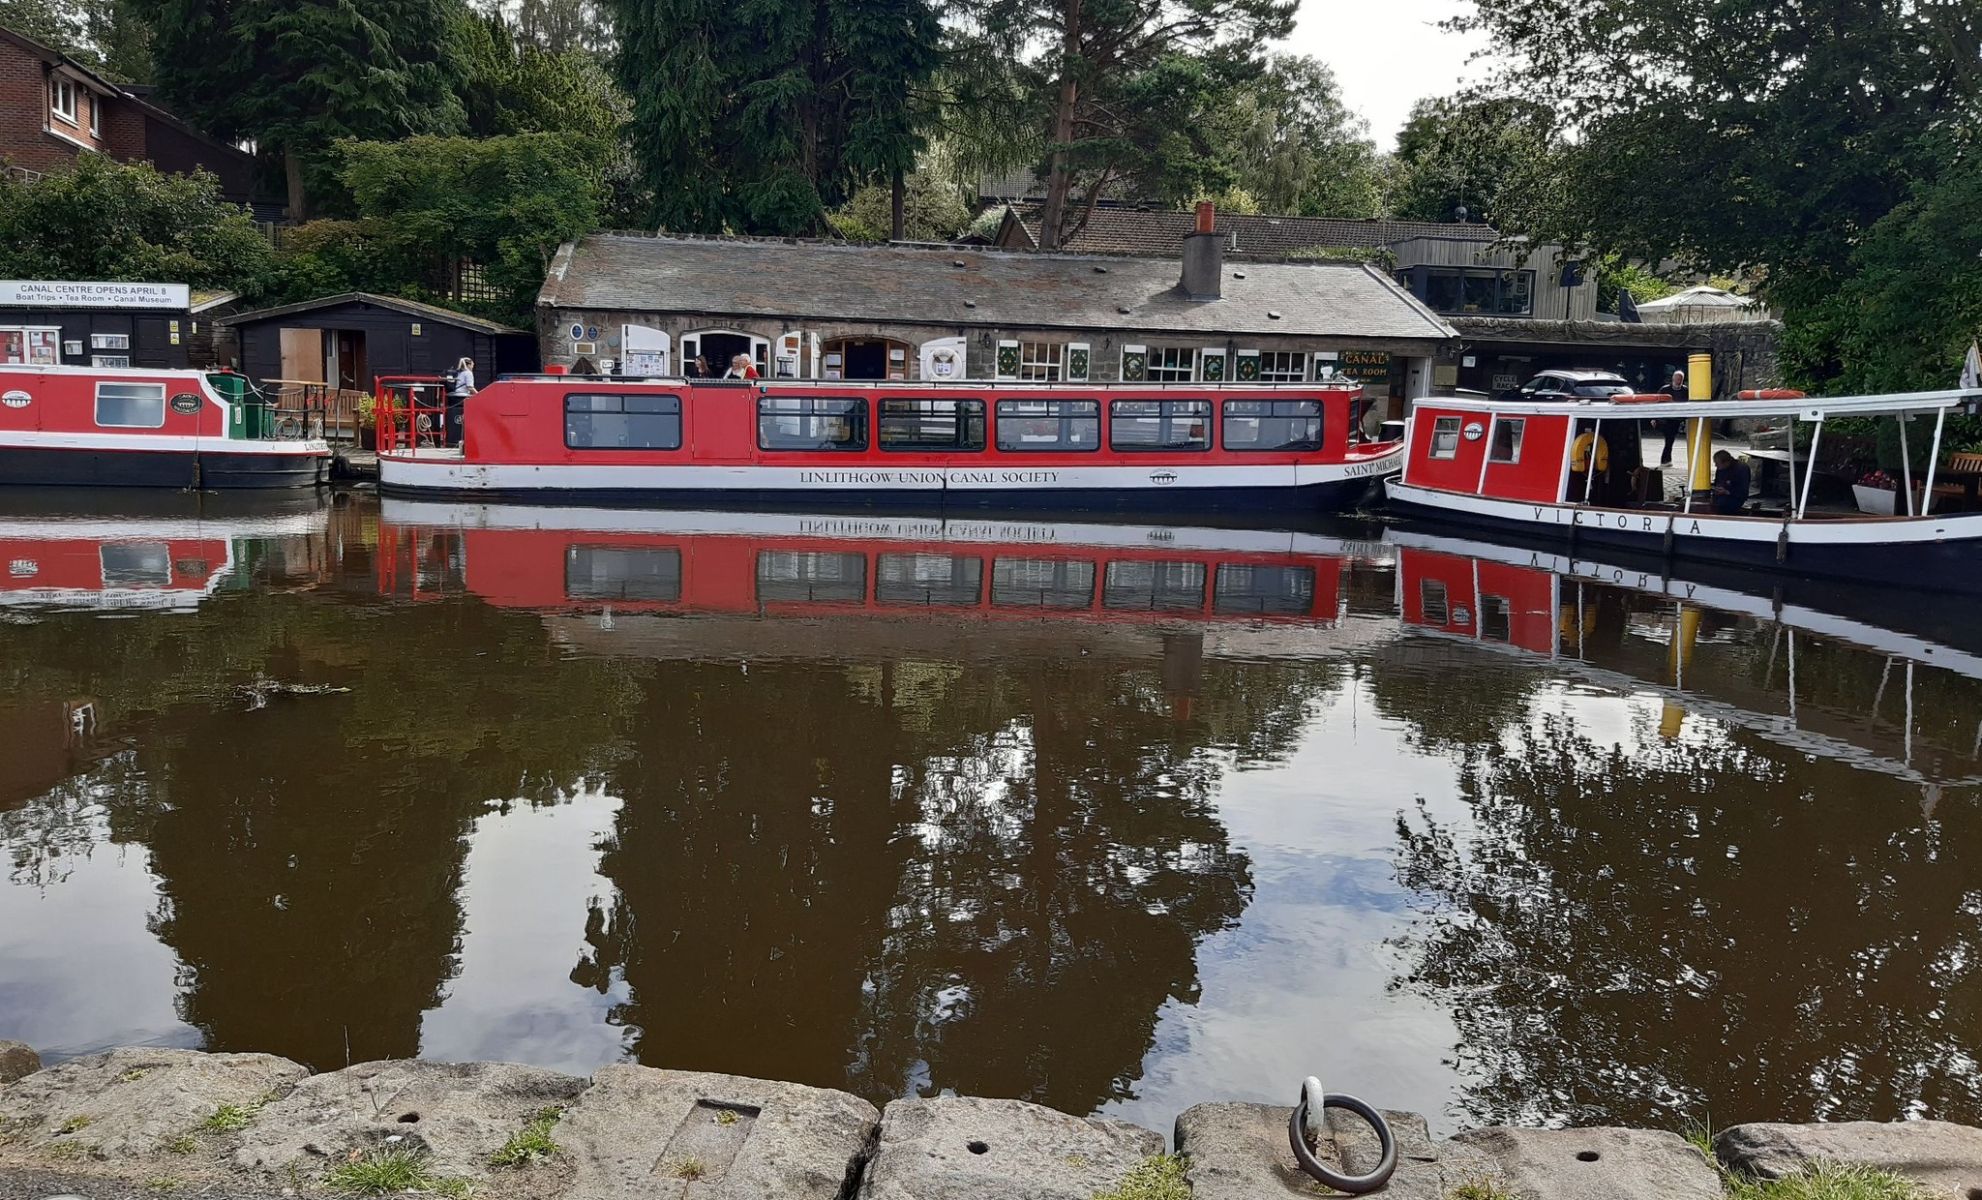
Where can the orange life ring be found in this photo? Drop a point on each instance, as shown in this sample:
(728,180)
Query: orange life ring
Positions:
(1772,394)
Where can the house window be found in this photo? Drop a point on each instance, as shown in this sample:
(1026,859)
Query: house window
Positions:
(940,425)
(1042,361)
(130,405)
(622,422)
(1445,437)
(1486,291)
(62,98)
(1272,425)
(1171,364)
(811,423)
(1507,441)
(1282,366)
(1159,425)
(96,116)
(110,341)
(1049,425)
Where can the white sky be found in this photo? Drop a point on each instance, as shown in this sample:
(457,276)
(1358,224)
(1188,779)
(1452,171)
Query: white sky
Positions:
(1387,54)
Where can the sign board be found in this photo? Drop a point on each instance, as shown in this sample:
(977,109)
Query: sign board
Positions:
(187,402)
(44,293)
(1366,366)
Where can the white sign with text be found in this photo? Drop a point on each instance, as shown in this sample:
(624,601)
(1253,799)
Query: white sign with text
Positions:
(52,293)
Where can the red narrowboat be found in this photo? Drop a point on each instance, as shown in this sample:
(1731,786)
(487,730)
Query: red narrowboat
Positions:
(738,443)
(1573,472)
(132,427)
(128,562)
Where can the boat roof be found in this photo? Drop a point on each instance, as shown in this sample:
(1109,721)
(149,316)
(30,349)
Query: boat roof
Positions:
(1808,408)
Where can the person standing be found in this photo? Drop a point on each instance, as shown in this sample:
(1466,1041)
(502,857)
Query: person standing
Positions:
(1678,390)
(460,386)
(740,367)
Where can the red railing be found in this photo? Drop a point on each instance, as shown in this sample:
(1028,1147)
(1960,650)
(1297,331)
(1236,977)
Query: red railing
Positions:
(410,411)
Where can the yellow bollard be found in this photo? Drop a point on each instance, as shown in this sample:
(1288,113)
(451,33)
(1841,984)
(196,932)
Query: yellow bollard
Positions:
(1699,430)
(1685,632)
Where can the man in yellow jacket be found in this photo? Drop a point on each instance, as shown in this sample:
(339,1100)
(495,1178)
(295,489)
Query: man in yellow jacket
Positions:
(1587,446)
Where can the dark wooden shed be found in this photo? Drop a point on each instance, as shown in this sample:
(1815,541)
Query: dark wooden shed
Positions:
(348,341)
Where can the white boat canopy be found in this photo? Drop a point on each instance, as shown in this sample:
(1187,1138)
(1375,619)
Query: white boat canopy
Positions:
(1804,408)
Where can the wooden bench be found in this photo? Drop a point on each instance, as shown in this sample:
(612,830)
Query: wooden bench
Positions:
(1967,464)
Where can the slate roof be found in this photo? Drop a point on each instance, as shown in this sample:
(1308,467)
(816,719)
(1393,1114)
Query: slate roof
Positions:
(1146,231)
(949,286)
(412,308)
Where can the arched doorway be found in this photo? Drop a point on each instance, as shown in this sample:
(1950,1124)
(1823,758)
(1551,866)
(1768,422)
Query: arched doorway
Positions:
(718,346)
(867,358)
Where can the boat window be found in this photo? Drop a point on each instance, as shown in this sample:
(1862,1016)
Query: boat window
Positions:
(1268,591)
(136,564)
(1507,440)
(811,575)
(1159,425)
(811,423)
(1432,598)
(1445,437)
(928,578)
(1496,619)
(942,425)
(1153,586)
(622,573)
(1253,425)
(1041,583)
(597,422)
(1028,425)
(130,405)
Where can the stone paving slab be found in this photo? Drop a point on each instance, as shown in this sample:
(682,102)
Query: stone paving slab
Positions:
(1945,1157)
(1240,1152)
(962,1148)
(644,1134)
(127,1104)
(457,1113)
(40,1185)
(1597,1164)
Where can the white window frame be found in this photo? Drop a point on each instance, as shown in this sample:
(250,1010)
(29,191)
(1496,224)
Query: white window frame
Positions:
(158,388)
(1042,362)
(1170,364)
(1516,428)
(115,361)
(1283,366)
(57,87)
(1445,427)
(110,341)
(96,116)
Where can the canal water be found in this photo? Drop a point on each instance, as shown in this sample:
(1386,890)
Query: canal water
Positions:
(1112,818)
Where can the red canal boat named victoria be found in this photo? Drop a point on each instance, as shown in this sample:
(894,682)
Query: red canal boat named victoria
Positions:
(990,444)
(135,427)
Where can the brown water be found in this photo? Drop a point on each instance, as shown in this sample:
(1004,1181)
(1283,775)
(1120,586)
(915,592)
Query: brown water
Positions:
(1114,819)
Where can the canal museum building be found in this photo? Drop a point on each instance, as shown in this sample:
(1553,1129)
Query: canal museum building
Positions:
(651,304)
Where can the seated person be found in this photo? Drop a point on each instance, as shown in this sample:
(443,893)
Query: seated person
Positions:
(1731,483)
(1587,446)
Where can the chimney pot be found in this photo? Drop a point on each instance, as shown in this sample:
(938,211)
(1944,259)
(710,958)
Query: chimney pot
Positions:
(1207,216)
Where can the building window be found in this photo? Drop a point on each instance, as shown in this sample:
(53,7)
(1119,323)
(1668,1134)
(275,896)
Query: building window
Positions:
(62,98)
(620,573)
(1507,441)
(110,341)
(1042,361)
(937,425)
(1486,291)
(1445,437)
(1272,425)
(1171,364)
(1049,425)
(96,116)
(622,422)
(1159,425)
(1283,366)
(130,405)
(811,423)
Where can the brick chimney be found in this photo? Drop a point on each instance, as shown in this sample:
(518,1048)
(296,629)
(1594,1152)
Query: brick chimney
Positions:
(1204,257)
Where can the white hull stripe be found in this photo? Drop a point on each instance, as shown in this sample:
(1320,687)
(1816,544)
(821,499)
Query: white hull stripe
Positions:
(454,474)
(161,443)
(1705,526)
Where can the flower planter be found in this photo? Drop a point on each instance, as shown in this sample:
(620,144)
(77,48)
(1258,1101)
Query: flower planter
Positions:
(1881,502)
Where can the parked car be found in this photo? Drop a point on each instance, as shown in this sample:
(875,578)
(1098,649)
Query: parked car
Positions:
(1572,385)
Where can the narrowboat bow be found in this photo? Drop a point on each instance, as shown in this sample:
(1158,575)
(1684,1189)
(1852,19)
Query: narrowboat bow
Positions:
(1523,466)
(135,427)
(989,444)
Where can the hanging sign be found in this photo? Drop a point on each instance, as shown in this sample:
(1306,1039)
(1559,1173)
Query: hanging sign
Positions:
(58,294)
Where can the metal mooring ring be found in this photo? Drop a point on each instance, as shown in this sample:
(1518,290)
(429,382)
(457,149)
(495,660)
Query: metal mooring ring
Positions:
(1355,1185)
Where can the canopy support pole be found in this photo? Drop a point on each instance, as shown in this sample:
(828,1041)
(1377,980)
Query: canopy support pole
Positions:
(1590,463)
(1933,460)
(1905,462)
(1810,473)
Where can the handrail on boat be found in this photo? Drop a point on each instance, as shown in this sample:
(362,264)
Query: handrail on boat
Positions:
(410,411)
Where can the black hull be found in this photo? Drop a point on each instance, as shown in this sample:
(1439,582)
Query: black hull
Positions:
(216,471)
(1339,496)
(1951,566)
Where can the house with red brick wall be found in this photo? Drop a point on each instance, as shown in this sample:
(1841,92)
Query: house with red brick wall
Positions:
(53,108)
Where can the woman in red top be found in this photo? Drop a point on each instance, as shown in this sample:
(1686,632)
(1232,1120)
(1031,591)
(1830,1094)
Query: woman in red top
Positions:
(740,367)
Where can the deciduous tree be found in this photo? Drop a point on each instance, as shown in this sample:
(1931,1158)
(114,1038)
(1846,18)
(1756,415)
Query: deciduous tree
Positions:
(1458,152)
(1297,148)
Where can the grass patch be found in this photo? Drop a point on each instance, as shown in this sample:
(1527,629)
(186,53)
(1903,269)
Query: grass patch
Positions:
(1479,1189)
(383,1172)
(1160,1177)
(690,1169)
(161,1183)
(185,1143)
(134,1074)
(725,1117)
(66,1151)
(75,1124)
(1831,1181)
(233,1118)
(1699,1133)
(531,1144)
